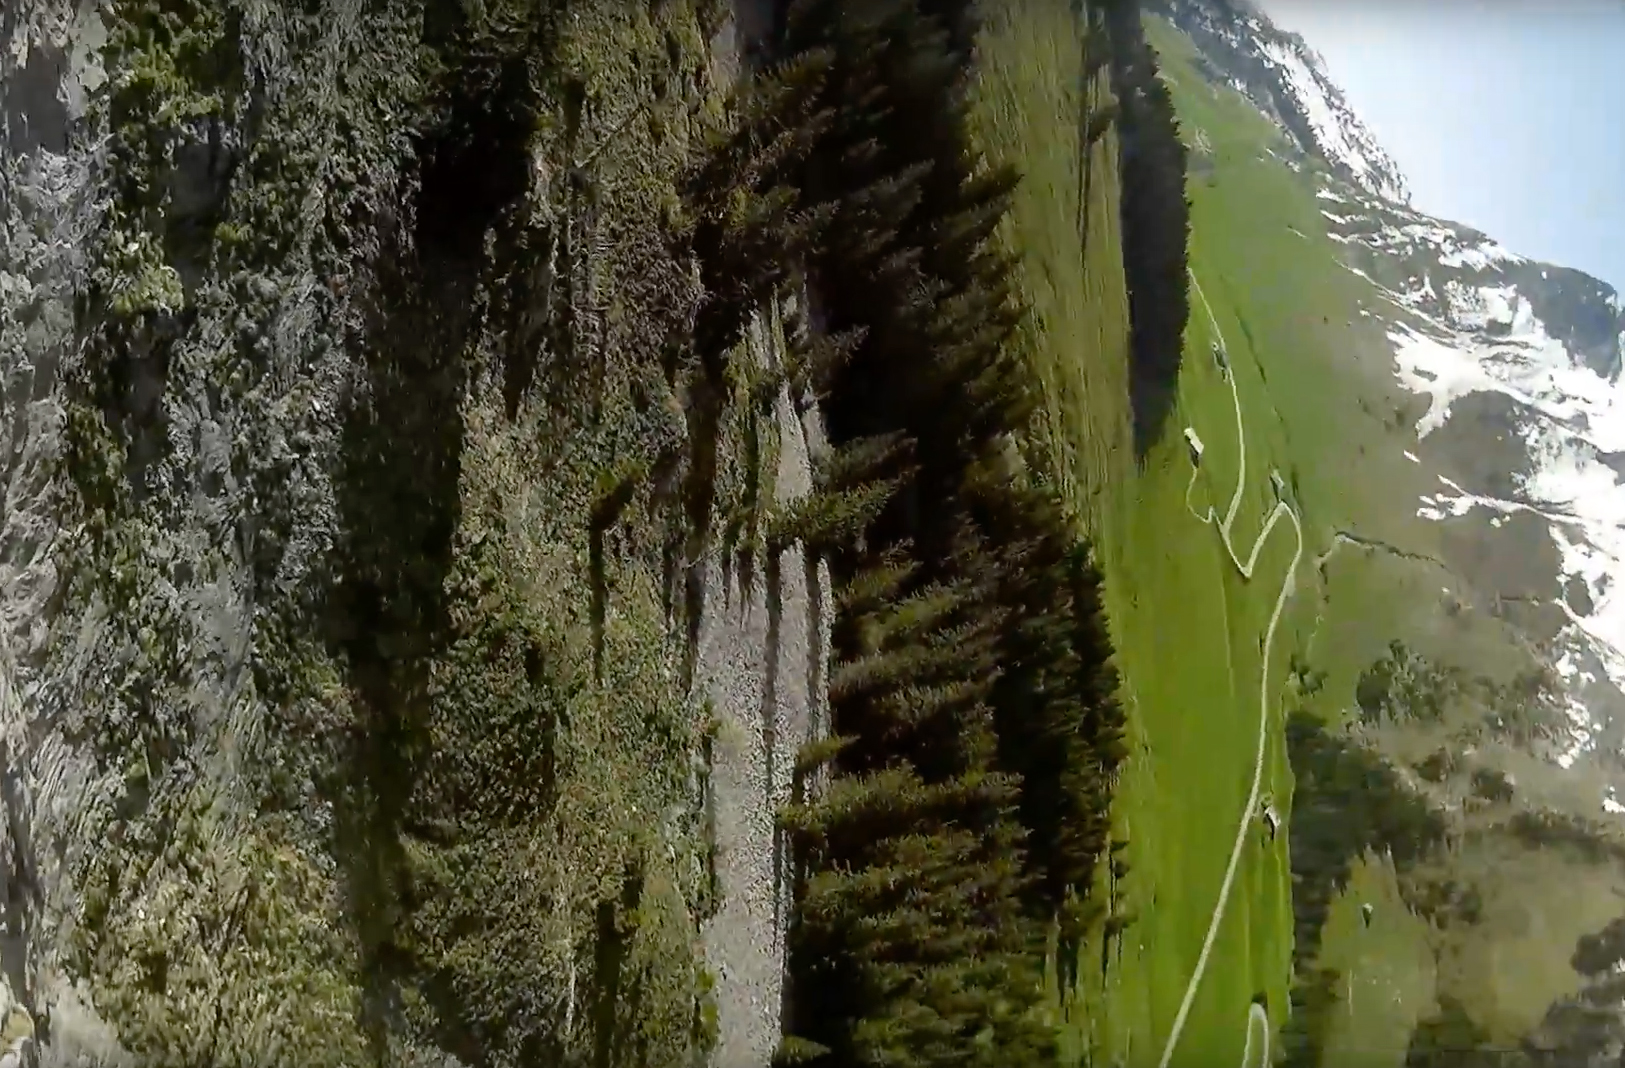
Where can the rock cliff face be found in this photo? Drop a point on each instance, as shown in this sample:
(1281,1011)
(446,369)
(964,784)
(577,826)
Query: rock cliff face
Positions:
(47,196)
(763,654)
(371,544)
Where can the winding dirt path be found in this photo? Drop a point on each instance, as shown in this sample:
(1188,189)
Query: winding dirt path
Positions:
(1257,1018)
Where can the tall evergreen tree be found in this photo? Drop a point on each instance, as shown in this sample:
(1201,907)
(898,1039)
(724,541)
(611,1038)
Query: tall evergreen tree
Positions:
(972,686)
(1155,222)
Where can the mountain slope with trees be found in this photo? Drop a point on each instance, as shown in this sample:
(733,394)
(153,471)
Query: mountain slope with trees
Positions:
(566,532)
(1449,650)
(402,396)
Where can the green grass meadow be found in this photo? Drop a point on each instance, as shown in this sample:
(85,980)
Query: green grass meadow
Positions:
(1387,971)
(1187,627)
(1321,405)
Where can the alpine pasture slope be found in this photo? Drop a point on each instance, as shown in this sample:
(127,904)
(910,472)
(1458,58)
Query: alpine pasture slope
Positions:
(1486,925)
(1282,510)
(1196,951)
(1214,937)
(1188,627)
(1209,899)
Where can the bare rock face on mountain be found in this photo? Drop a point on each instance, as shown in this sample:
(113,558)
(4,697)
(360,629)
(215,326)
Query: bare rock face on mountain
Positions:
(1287,81)
(1516,368)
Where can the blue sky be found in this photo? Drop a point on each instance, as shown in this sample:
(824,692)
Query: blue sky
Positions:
(1506,115)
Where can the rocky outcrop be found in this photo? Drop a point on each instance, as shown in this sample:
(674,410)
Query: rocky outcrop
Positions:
(763,651)
(48,199)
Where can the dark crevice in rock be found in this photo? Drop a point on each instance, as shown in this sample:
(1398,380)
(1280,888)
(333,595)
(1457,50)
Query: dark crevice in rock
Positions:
(399,508)
(22,883)
(529,300)
(665,487)
(707,400)
(197,186)
(476,168)
(605,512)
(770,711)
(134,397)
(817,653)
(612,1001)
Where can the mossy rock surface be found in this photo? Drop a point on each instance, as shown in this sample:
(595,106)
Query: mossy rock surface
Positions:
(372,736)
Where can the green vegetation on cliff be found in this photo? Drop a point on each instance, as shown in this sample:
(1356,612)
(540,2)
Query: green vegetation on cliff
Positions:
(390,444)
(430,362)
(414,395)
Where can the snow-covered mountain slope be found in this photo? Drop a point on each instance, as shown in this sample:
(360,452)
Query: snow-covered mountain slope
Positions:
(1518,363)
(1515,366)
(1287,81)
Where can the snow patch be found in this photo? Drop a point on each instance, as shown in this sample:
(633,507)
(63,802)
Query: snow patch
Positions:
(1570,418)
(1338,133)
(1478,258)
(1522,361)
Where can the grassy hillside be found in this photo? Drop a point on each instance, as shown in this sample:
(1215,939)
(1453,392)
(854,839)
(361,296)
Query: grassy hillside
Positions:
(1039,88)
(1341,428)
(1156,554)
(1319,404)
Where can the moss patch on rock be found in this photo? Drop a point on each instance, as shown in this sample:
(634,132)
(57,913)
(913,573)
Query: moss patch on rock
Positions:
(379,477)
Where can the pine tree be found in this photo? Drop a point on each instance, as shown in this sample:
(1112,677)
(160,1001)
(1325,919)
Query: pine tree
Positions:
(749,222)
(814,360)
(855,461)
(971,685)
(826,518)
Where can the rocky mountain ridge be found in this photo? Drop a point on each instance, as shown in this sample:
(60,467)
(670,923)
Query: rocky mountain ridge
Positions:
(1287,81)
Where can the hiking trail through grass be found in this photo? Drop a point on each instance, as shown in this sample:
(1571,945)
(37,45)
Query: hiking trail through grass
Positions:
(1251,808)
